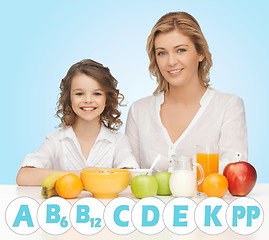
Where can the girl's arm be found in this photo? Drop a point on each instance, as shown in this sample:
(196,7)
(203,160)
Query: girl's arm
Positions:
(31,176)
(36,166)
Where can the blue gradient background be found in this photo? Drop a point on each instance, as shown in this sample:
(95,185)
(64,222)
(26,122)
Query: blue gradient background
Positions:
(41,40)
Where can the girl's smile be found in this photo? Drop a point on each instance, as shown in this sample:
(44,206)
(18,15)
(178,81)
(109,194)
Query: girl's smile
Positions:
(88,109)
(88,98)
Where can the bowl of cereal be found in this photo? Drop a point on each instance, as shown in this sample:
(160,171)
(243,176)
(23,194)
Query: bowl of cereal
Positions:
(105,182)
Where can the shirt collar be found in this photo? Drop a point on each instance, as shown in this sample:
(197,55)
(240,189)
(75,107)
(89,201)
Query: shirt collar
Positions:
(205,98)
(67,133)
(105,134)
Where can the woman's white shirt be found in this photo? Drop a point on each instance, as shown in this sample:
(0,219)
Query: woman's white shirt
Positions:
(61,151)
(219,121)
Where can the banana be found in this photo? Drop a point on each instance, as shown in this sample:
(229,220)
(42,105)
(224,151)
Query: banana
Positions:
(49,181)
(49,193)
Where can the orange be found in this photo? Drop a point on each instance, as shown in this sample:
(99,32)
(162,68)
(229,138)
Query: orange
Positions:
(69,186)
(215,185)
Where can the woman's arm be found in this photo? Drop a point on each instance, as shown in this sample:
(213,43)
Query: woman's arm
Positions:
(233,135)
(124,157)
(131,131)
(31,176)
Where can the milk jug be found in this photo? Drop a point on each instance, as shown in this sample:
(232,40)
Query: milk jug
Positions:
(182,181)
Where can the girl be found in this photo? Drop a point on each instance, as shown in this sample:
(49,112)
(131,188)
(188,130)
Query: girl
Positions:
(184,111)
(89,117)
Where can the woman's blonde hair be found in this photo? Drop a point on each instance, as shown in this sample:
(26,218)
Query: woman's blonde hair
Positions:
(110,117)
(187,25)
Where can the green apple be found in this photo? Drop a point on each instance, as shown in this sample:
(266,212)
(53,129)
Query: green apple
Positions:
(144,186)
(163,183)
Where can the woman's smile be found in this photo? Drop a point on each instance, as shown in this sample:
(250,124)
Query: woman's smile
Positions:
(175,72)
(176,52)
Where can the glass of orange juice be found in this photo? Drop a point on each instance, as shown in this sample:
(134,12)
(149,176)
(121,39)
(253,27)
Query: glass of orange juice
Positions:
(208,157)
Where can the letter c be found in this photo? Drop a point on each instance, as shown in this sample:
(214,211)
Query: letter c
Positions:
(117,216)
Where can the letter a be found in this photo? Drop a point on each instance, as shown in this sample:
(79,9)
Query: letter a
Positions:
(23,215)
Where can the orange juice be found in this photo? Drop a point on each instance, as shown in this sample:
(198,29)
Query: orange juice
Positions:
(209,163)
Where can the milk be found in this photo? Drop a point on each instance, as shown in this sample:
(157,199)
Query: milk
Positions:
(182,183)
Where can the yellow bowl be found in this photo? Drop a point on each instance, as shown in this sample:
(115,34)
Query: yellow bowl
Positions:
(105,185)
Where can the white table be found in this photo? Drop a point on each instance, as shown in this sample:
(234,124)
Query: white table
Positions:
(10,192)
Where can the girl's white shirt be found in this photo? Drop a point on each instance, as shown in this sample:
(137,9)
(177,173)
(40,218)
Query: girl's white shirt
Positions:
(61,151)
(219,121)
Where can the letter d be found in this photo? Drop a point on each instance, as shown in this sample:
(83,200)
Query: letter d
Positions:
(156,216)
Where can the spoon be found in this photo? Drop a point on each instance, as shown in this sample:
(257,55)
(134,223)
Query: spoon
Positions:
(158,157)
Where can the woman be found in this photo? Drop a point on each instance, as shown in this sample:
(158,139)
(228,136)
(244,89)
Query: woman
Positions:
(184,111)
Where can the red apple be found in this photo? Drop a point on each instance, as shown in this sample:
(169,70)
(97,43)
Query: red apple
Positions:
(241,177)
